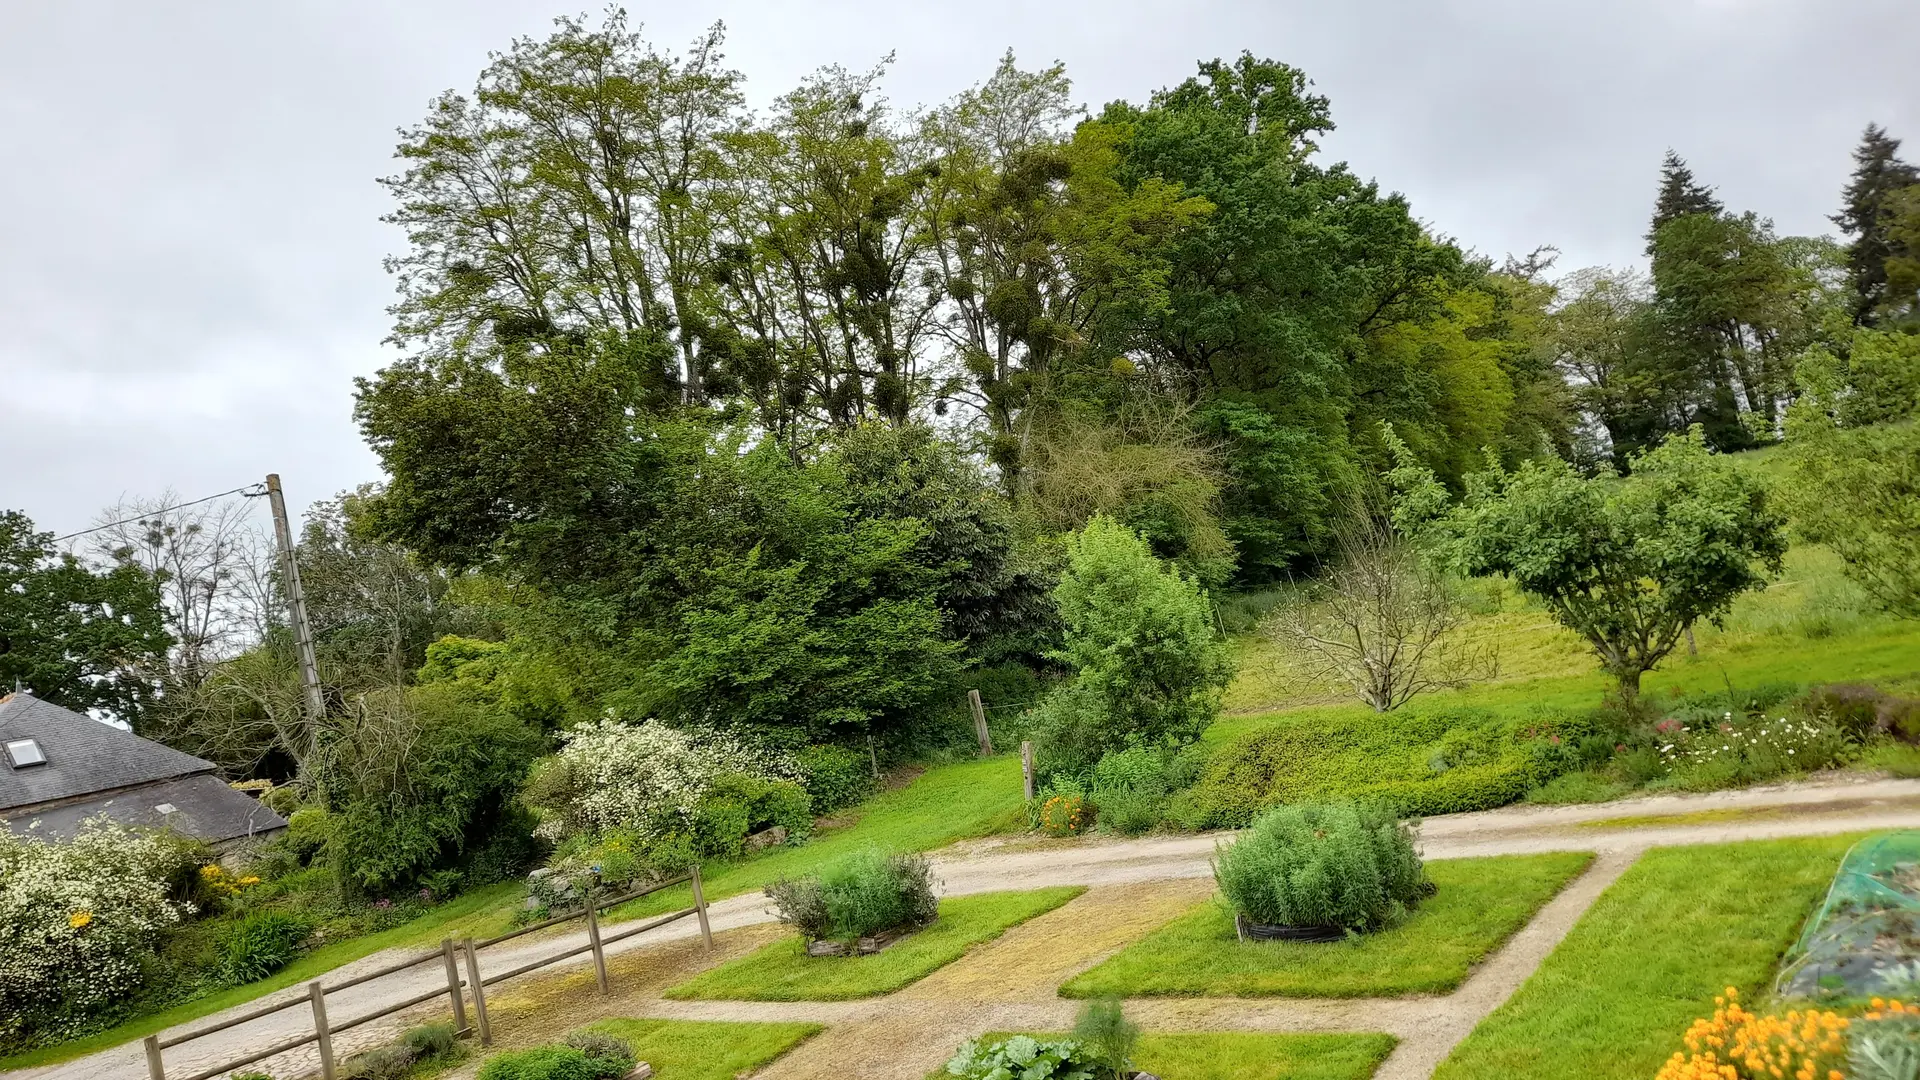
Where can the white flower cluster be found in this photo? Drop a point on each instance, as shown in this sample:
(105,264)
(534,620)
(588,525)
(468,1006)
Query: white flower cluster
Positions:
(1801,740)
(646,777)
(76,917)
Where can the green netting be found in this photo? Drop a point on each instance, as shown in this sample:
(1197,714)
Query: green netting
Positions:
(1864,940)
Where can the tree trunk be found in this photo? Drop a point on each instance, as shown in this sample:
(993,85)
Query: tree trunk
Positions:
(1629,684)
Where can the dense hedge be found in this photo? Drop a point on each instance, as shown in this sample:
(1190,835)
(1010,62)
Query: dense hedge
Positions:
(1414,763)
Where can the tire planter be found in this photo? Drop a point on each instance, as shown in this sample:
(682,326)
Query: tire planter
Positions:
(1253,931)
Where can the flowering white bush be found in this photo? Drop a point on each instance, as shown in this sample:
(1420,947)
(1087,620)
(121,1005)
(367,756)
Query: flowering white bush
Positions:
(76,919)
(648,777)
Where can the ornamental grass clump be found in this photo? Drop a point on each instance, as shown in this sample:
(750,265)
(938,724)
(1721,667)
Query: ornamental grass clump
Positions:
(862,895)
(1734,1044)
(1323,865)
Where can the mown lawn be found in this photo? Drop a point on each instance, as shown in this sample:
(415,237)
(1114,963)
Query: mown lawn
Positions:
(783,971)
(703,1050)
(945,804)
(1681,925)
(1479,905)
(1248,1056)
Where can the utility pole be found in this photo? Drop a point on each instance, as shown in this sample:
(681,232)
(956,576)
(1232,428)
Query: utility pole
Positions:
(296,605)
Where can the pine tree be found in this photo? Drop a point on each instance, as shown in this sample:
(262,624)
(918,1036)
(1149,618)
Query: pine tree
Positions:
(1878,177)
(1680,195)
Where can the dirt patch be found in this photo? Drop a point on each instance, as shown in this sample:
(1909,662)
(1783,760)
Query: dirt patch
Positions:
(1030,961)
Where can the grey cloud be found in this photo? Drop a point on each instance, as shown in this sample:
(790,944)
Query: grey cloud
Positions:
(190,245)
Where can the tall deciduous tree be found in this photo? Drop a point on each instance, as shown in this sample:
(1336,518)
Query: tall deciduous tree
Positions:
(75,635)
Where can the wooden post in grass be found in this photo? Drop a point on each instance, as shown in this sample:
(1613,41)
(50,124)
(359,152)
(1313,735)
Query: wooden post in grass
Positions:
(1026,769)
(700,907)
(593,939)
(980,723)
(453,985)
(322,1033)
(479,992)
(154,1068)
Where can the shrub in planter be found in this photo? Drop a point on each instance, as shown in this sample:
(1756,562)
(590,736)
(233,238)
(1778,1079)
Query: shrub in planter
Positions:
(260,944)
(859,896)
(551,1063)
(1323,865)
(610,1052)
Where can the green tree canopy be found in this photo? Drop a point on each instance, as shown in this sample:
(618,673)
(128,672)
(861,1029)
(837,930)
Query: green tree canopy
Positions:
(77,635)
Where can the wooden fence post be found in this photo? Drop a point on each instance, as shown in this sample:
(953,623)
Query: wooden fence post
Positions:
(593,939)
(980,723)
(318,995)
(154,1068)
(1026,769)
(453,984)
(479,992)
(700,907)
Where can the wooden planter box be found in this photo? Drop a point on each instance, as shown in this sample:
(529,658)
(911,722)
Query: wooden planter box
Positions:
(1253,931)
(865,946)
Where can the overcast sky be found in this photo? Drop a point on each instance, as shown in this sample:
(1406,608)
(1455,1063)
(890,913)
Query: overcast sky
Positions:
(189,237)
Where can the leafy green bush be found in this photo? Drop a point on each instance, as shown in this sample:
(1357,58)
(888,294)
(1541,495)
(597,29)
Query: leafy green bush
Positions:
(834,776)
(1130,788)
(1022,1056)
(1434,761)
(260,944)
(858,896)
(402,815)
(430,1040)
(1339,864)
(1108,1036)
(737,805)
(1148,664)
(392,1062)
(307,832)
(549,1063)
(611,1053)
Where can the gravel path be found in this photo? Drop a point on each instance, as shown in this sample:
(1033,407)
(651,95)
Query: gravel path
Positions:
(1136,885)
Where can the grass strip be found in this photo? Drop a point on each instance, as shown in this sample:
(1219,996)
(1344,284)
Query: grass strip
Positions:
(783,971)
(1680,925)
(945,804)
(1250,1056)
(1479,905)
(706,1050)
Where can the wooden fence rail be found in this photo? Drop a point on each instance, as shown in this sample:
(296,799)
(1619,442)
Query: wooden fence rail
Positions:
(450,953)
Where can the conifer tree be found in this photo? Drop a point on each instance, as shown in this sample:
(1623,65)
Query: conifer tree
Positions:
(1680,195)
(1872,196)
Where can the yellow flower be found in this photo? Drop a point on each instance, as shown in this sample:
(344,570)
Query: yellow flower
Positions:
(249,880)
(79,919)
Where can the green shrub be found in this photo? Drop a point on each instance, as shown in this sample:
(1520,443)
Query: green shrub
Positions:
(1022,1056)
(379,1063)
(547,1063)
(1108,1036)
(835,777)
(260,944)
(1148,664)
(430,1040)
(611,1053)
(858,896)
(1337,864)
(737,805)
(307,832)
(1438,761)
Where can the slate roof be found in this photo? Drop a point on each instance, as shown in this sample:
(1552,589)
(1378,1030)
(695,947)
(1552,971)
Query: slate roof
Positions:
(83,754)
(202,805)
(128,777)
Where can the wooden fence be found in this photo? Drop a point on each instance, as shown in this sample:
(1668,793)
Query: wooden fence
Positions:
(451,955)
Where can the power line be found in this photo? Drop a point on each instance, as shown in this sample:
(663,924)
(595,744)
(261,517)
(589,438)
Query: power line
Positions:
(249,490)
